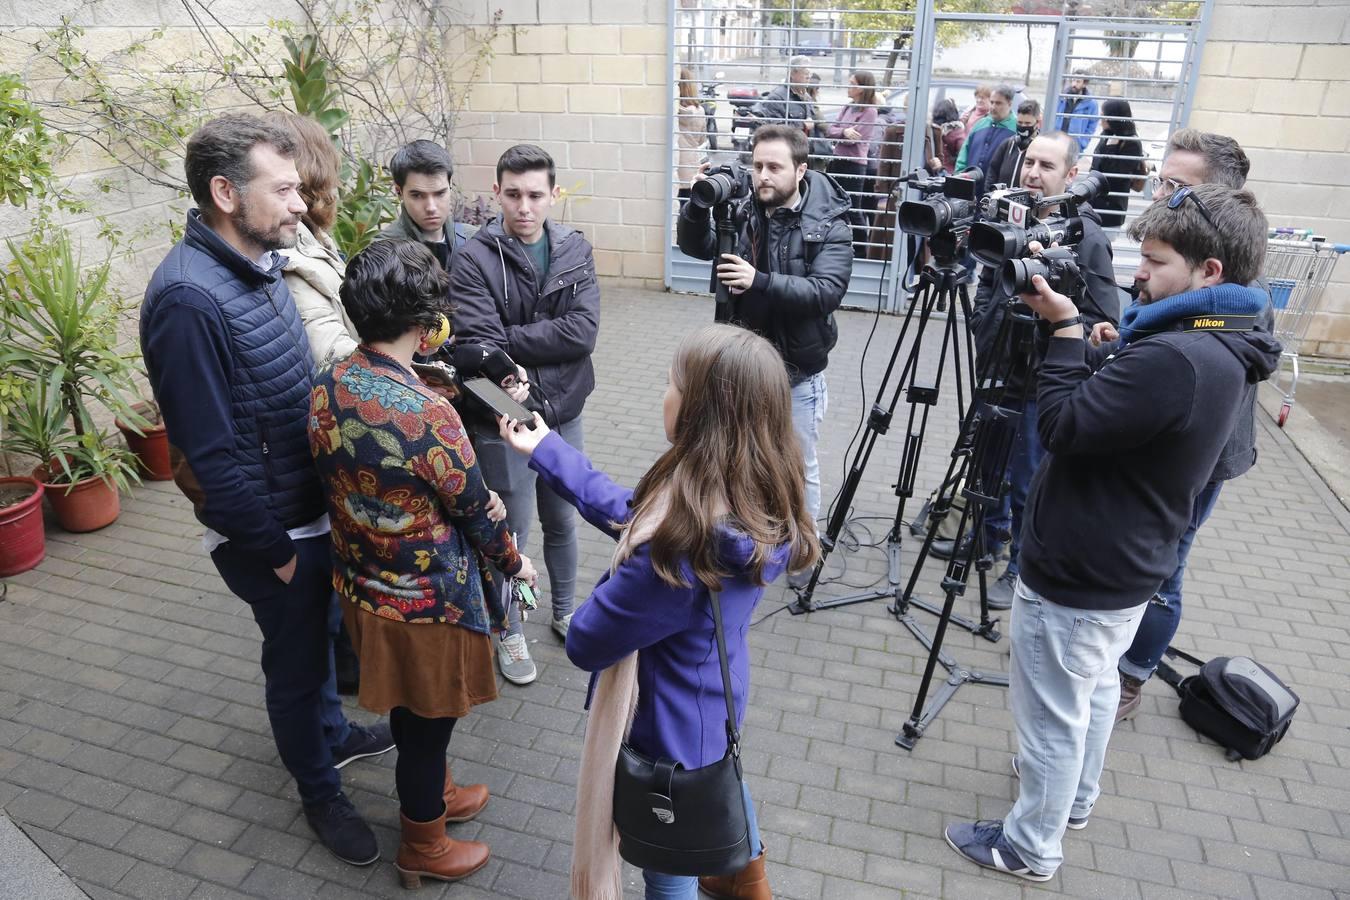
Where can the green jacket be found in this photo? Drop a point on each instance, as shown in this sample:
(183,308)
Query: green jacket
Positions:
(1009,123)
(404,228)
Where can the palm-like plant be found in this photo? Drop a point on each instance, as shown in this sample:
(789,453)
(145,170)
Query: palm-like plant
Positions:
(59,334)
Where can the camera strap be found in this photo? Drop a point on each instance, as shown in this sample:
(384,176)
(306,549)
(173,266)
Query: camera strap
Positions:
(1219,322)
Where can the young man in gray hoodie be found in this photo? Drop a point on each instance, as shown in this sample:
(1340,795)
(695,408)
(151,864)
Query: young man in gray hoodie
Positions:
(526,285)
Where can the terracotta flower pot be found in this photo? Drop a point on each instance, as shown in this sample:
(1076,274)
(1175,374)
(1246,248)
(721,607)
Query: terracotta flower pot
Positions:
(23,543)
(152,448)
(89,505)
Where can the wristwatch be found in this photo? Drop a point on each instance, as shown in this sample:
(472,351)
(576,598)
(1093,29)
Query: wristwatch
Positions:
(1066,323)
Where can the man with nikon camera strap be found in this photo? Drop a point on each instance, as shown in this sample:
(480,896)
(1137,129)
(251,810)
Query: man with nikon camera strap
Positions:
(793,261)
(1132,436)
(1050,163)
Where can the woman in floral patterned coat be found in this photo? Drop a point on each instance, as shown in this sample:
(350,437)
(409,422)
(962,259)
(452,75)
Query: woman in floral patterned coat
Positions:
(413,537)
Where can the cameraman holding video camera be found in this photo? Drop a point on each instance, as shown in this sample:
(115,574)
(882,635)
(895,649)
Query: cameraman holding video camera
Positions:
(1132,443)
(791,266)
(1049,165)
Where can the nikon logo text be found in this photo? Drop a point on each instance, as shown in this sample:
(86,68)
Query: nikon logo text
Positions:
(1209,323)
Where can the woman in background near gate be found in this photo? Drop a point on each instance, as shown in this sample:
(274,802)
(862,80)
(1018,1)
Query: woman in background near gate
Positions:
(950,134)
(691,140)
(984,93)
(723,509)
(1120,156)
(412,540)
(853,131)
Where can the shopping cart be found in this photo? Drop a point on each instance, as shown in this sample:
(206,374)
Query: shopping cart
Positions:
(1298,267)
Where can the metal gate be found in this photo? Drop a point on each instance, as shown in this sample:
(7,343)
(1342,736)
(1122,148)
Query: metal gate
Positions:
(728,54)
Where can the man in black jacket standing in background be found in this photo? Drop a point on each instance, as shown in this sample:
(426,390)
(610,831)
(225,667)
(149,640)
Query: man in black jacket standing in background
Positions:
(793,261)
(1130,446)
(526,285)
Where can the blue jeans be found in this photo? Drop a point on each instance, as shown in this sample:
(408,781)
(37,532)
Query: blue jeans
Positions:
(1163,615)
(295,621)
(1064,689)
(509,474)
(1025,458)
(809,402)
(685,887)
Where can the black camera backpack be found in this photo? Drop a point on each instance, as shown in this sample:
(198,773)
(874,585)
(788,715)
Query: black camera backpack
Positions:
(1234,700)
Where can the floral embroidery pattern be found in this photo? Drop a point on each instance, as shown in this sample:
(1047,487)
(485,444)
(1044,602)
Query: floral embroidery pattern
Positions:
(411,537)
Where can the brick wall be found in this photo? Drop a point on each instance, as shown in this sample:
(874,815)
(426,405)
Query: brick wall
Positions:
(1275,75)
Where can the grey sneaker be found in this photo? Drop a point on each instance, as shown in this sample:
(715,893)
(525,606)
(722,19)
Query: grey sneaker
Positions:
(1077,823)
(560,625)
(513,658)
(1001,591)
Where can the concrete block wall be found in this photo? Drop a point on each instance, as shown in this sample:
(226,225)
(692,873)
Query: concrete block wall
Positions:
(1275,75)
(590,82)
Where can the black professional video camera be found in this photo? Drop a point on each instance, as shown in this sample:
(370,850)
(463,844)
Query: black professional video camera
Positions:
(722,185)
(945,213)
(1011,225)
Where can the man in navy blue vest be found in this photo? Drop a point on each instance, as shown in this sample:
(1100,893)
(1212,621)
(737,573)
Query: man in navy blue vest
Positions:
(230,368)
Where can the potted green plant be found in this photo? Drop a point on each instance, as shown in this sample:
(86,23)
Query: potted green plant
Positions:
(149,442)
(81,474)
(59,333)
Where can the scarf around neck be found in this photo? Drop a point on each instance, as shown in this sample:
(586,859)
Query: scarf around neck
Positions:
(1143,319)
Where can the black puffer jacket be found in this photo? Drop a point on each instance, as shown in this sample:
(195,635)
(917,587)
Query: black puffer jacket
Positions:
(549,328)
(1100,302)
(805,260)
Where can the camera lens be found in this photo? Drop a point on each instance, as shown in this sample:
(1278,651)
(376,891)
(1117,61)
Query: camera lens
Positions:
(993,242)
(1016,275)
(710,191)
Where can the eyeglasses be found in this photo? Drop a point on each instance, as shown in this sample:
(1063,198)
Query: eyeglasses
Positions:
(1179,197)
(1167,186)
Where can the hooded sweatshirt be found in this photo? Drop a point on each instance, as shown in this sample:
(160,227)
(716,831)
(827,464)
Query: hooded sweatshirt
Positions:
(681,710)
(1130,446)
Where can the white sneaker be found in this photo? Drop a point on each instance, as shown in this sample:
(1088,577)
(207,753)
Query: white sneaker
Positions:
(513,658)
(560,626)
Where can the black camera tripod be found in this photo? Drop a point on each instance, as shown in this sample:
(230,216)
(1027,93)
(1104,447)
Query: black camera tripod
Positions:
(941,289)
(979,460)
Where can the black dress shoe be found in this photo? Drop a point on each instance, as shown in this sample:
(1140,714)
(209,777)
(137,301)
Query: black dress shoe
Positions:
(341,829)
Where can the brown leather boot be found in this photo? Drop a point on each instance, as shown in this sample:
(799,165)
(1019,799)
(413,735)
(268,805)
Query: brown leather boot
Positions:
(463,801)
(425,852)
(1131,690)
(750,883)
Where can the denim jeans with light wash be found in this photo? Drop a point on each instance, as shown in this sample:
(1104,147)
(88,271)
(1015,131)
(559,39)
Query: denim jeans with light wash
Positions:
(509,474)
(809,400)
(1064,689)
(685,887)
(1162,616)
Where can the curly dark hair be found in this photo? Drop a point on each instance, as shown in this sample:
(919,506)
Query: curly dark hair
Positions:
(393,286)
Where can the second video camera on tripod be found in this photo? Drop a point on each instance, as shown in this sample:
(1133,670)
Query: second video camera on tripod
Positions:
(946,212)
(1011,223)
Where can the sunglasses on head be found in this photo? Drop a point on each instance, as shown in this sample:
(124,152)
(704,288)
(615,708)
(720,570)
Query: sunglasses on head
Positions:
(1179,197)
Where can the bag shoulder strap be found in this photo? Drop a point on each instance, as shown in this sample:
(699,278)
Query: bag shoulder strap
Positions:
(1171,675)
(733,736)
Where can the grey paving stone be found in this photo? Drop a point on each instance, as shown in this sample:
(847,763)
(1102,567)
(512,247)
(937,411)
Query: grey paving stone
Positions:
(136,709)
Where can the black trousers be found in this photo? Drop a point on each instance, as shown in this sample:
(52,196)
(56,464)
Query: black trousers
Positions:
(419,774)
(852,177)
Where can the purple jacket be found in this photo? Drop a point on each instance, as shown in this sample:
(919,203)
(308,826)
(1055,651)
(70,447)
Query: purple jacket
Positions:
(681,712)
(863,118)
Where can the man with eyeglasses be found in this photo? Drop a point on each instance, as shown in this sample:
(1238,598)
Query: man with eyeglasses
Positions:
(1193,158)
(1133,433)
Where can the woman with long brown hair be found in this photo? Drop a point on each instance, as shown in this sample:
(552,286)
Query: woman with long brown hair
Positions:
(853,132)
(723,509)
(692,123)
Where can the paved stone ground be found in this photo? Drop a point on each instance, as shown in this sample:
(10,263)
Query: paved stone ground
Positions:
(135,751)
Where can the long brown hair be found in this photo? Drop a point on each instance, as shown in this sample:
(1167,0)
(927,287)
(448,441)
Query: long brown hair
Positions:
(316,159)
(868,82)
(688,89)
(734,453)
